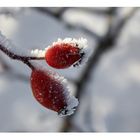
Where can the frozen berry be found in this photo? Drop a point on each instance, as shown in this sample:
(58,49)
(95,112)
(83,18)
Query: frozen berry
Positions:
(51,91)
(65,53)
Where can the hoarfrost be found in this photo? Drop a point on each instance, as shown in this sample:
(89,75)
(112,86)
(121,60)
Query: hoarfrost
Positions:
(72,103)
(38,53)
(80,43)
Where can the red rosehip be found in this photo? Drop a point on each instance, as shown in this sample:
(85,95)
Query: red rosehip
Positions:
(50,91)
(64,53)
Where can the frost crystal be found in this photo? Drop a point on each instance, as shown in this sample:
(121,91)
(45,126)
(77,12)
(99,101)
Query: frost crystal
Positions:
(38,53)
(71,107)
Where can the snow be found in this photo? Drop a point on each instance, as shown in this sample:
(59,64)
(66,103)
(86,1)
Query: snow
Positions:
(71,107)
(38,53)
(82,42)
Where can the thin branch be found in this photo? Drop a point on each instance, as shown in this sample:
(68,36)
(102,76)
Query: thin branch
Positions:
(16,57)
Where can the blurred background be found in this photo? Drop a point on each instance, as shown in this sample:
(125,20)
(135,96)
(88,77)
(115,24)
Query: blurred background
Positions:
(108,86)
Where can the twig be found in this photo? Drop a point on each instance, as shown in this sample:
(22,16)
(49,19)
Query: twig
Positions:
(16,57)
(12,55)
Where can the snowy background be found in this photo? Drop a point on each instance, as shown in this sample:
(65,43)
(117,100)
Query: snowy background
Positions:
(110,100)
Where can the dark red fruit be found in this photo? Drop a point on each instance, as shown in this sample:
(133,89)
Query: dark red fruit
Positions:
(62,55)
(47,90)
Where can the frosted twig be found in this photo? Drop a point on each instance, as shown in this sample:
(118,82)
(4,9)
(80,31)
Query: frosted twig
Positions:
(5,44)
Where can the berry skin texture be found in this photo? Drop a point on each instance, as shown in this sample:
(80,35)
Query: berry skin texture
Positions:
(62,55)
(47,90)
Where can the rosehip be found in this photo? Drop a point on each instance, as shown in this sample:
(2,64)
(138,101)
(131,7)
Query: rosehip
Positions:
(51,91)
(64,53)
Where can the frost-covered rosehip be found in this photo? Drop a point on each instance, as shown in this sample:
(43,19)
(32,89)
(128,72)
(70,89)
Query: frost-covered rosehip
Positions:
(65,53)
(51,91)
